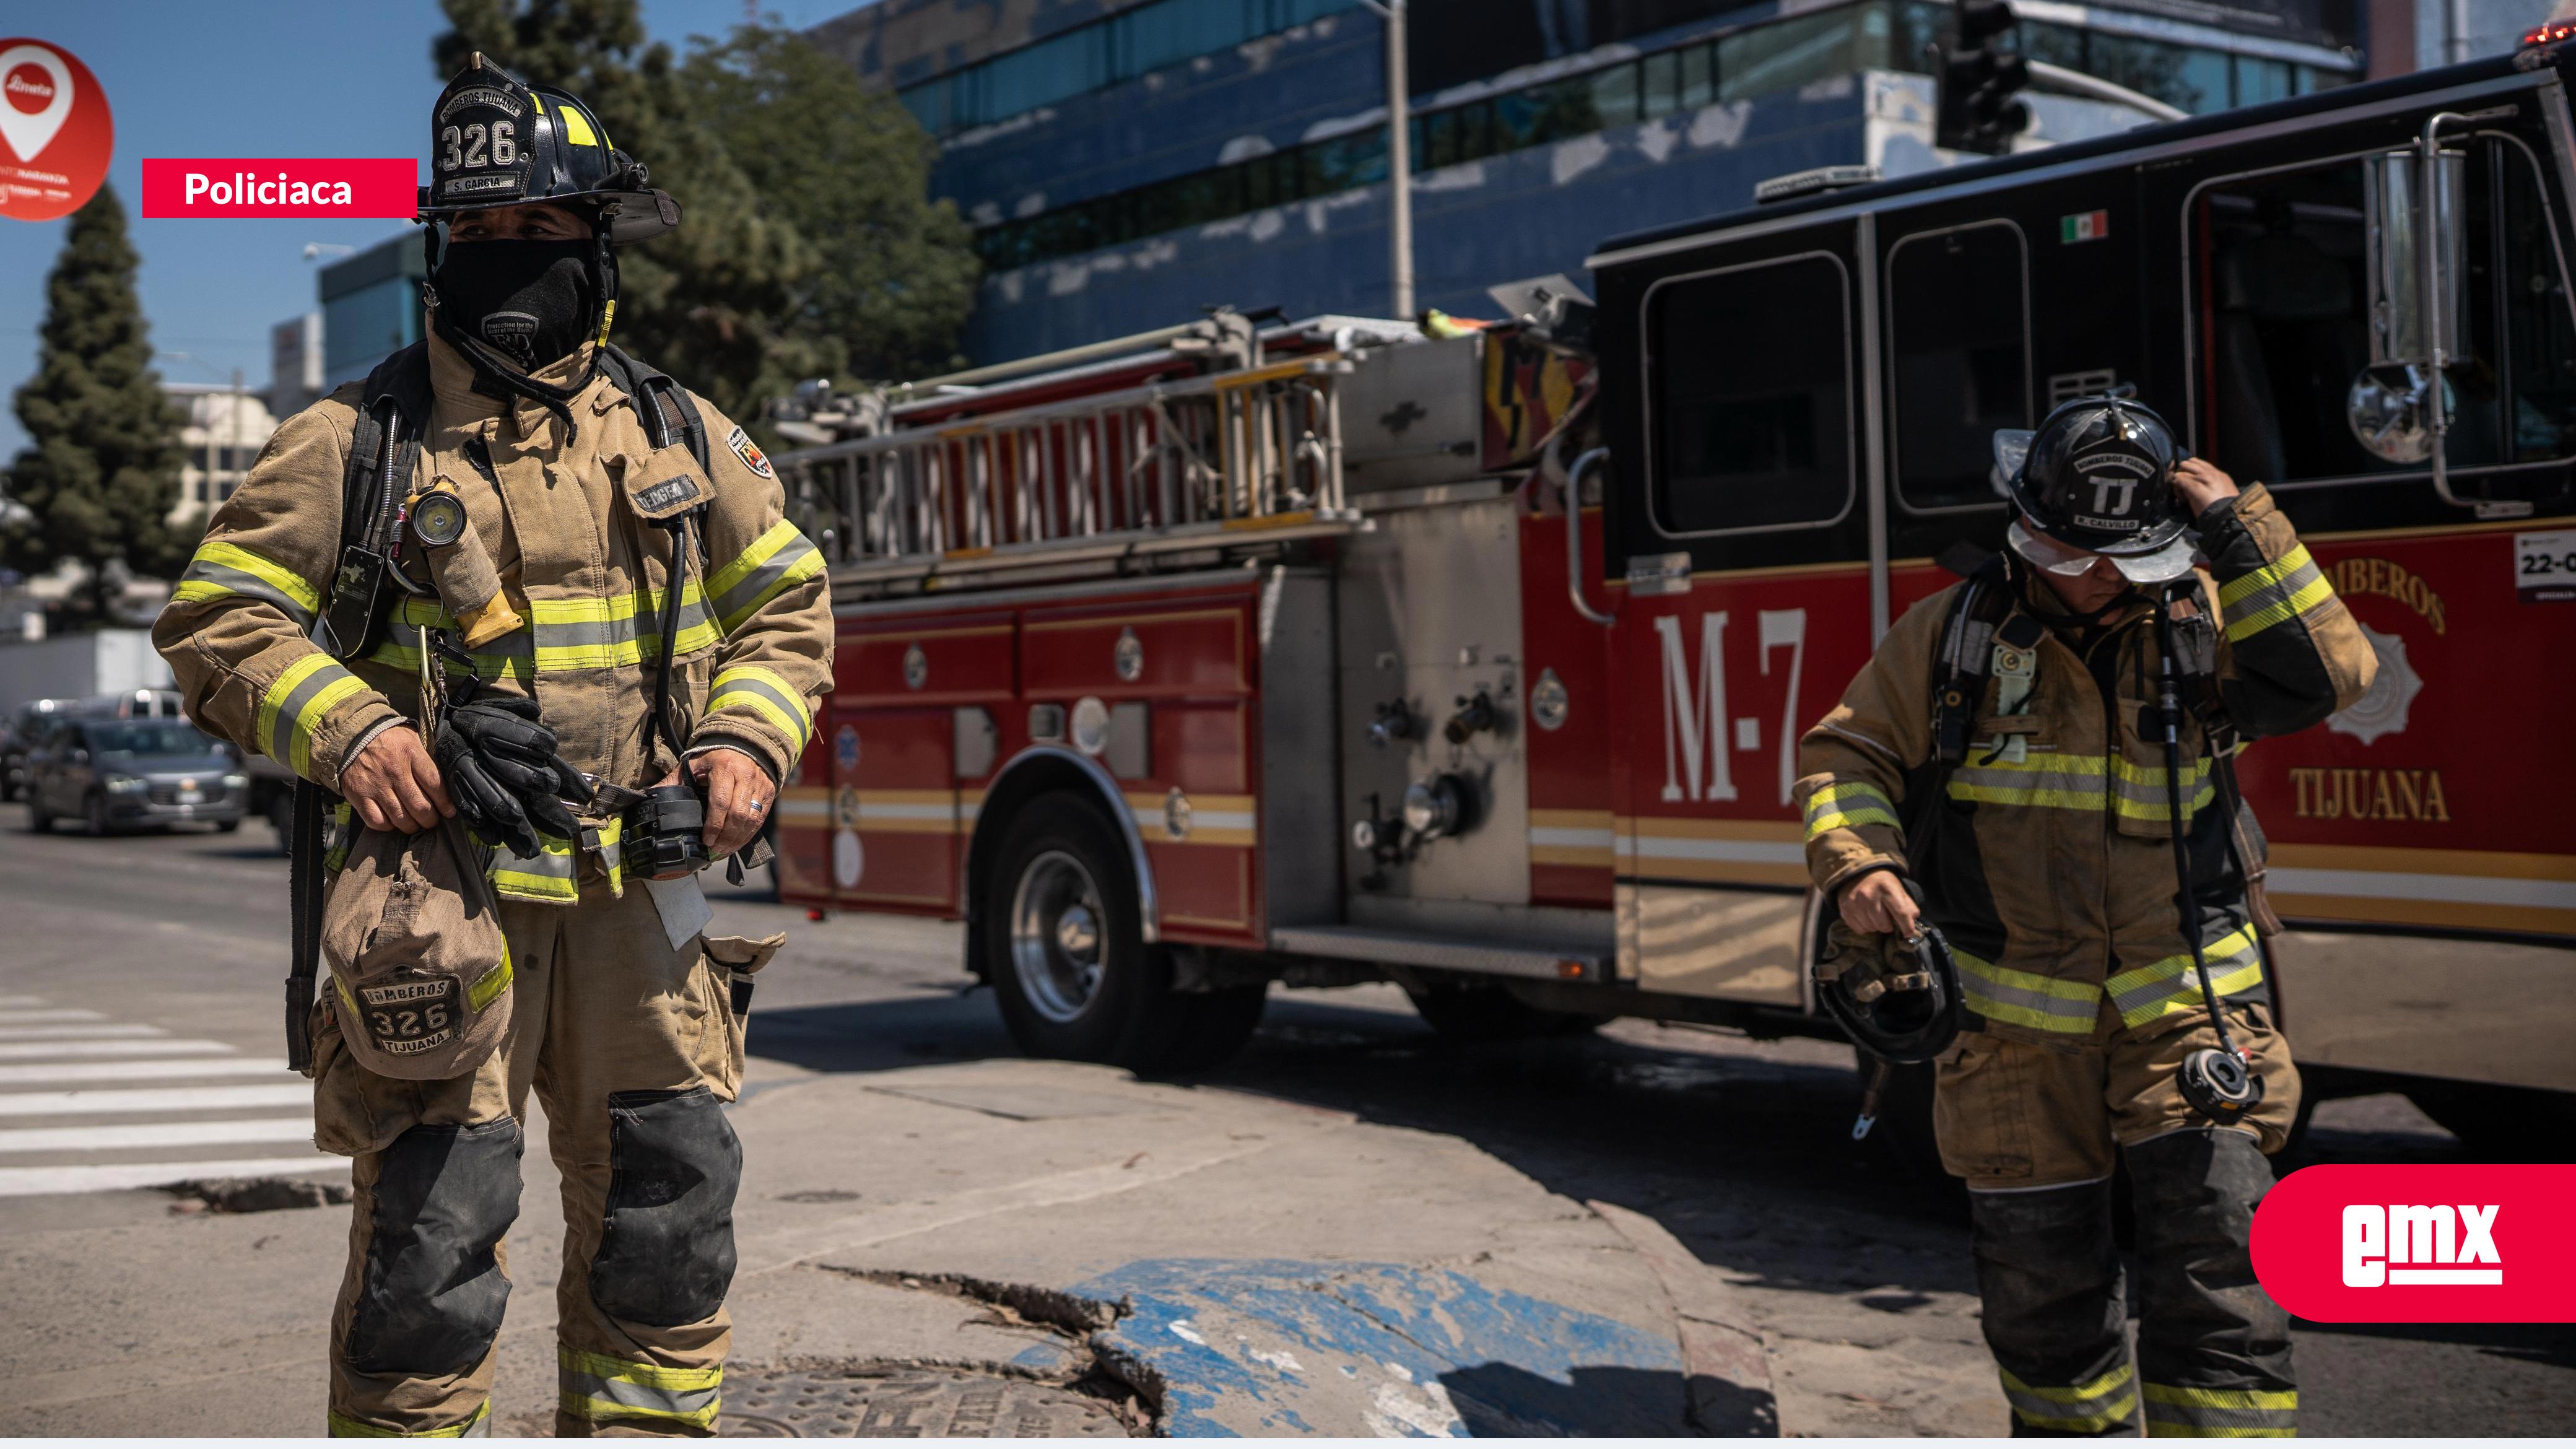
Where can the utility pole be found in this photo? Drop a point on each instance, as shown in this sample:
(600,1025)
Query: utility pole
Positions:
(1399,156)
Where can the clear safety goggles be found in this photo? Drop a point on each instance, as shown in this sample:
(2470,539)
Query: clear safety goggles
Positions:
(2050,556)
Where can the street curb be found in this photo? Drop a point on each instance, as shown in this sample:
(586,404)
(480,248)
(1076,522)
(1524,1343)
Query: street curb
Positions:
(1723,1351)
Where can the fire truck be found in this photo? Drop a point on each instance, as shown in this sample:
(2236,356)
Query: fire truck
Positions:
(1331,650)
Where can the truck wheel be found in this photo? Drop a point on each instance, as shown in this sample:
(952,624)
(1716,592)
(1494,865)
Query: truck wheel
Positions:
(39,819)
(281,816)
(1492,1013)
(94,814)
(1066,953)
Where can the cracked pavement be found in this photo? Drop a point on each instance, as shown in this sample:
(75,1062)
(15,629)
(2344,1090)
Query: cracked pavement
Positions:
(1352,1228)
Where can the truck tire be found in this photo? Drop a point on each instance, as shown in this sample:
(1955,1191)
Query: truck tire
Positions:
(1065,950)
(39,819)
(1492,1013)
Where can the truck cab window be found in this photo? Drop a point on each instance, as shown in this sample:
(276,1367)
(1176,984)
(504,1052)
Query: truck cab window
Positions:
(1958,344)
(2279,265)
(1751,398)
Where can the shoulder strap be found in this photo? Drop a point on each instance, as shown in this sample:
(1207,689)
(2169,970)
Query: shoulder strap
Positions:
(1959,670)
(670,415)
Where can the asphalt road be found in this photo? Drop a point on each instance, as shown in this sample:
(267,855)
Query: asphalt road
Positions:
(139,1004)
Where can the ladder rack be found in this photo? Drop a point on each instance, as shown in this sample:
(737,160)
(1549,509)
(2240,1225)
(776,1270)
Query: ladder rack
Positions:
(1225,460)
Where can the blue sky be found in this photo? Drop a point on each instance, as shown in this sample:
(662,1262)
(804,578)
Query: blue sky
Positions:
(246,78)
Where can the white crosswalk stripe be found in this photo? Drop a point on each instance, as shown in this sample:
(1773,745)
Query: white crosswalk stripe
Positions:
(63,1089)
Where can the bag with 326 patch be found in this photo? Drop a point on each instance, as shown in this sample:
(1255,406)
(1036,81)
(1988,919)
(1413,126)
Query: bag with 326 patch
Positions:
(420,972)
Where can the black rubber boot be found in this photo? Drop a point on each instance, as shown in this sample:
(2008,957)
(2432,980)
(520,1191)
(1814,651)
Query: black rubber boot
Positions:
(2053,1311)
(2213,1348)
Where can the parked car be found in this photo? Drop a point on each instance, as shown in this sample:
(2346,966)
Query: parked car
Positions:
(29,726)
(114,774)
(133,704)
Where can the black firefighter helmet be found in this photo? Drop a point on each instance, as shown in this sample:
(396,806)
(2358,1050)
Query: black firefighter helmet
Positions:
(2096,479)
(496,140)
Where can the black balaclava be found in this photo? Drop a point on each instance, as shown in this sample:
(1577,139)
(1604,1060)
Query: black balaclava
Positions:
(534,302)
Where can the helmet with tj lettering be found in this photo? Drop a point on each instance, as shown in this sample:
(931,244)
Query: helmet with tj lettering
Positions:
(2096,480)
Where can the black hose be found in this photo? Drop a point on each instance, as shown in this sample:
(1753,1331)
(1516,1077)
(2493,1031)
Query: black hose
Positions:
(2169,706)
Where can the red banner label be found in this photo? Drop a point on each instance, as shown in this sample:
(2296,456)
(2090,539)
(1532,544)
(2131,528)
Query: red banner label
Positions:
(268,187)
(2376,1244)
(55,131)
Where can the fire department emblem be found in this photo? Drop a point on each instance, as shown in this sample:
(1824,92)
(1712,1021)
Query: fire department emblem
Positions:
(2382,708)
(749,452)
(1129,656)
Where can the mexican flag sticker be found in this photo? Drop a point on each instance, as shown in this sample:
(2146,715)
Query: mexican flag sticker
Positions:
(2084,227)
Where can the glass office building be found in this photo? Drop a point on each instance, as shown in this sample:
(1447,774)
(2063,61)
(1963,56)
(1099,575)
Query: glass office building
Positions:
(370,307)
(1126,165)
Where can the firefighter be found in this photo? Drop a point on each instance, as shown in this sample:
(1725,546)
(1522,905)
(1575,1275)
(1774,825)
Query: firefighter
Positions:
(616,511)
(2039,843)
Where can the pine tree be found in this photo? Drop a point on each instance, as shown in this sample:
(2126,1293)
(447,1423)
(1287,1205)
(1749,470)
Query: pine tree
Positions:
(807,245)
(101,471)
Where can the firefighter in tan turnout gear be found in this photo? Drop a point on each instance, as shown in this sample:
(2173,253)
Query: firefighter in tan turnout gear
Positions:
(1997,771)
(592,569)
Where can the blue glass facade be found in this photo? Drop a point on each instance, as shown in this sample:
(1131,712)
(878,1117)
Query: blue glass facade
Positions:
(371,307)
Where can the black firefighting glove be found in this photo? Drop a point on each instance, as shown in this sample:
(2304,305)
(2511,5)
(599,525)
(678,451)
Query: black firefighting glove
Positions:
(504,774)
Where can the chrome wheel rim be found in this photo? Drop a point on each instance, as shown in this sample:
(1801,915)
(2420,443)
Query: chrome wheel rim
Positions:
(1057,945)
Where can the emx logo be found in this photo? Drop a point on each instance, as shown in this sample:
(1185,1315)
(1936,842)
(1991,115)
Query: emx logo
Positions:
(2409,1244)
(2421,1244)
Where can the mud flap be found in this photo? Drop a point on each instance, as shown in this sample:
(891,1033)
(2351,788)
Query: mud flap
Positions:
(430,1298)
(666,1252)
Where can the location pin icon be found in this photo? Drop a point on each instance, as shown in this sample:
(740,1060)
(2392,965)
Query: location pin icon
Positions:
(30,132)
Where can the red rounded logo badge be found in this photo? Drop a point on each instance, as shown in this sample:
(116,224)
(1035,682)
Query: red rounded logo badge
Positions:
(2421,1244)
(55,131)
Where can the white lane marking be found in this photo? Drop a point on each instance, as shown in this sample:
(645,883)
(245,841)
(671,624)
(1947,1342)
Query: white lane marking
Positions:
(60,1013)
(50,1072)
(155,1134)
(50,1033)
(31,1181)
(39,1051)
(154,1099)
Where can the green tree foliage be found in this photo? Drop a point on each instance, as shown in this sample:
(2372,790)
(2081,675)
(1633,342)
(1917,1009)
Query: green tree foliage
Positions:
(100,473)
(807,245)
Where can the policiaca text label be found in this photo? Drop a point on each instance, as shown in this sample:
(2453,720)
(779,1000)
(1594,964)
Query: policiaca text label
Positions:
(2421,1244)
(374,187)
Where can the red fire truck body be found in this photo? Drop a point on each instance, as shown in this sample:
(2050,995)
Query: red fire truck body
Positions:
(1236,655)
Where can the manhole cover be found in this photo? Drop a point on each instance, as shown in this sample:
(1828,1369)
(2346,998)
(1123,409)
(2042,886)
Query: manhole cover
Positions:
(906,1404)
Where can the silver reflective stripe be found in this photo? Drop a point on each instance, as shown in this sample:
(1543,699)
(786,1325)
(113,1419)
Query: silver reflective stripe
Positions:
(2280,590)
(768,697)
(599,1388)
(2104,1403)
(548,878)
(2164,987)
(2221,1413)
(2023,998)
(221,568)
(776,559)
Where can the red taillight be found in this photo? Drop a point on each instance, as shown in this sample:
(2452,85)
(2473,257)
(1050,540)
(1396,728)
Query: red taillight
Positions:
(2548,33)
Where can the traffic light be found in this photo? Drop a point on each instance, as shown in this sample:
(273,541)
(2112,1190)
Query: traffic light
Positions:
(1980,110)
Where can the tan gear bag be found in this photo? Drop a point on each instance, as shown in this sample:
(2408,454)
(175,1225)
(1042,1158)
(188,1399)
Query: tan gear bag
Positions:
(419,966)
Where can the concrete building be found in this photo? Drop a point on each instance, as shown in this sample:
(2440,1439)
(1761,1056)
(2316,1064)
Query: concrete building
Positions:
(226,428)
(1126,164)
(295,364)
(370,308)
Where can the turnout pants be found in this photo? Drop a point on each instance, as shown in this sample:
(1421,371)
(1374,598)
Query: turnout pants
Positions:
(2034,1128)
(632,1048)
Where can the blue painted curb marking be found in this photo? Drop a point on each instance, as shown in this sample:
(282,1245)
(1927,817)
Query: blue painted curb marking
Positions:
(1279,1346)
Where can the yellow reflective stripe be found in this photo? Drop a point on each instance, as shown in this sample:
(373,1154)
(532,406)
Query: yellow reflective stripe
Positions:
(294,707)
(2042,1003)
(2233,592)
(769,695)
(344,1427)
(491,983)
(627,1371)
(2317,592)
(2081,782)
(2283,589)
(2284,1399)
(2080,1408)
(2167,987)
(548,878)
(1845,804)
(599,1388)
(778,558)
(219,568)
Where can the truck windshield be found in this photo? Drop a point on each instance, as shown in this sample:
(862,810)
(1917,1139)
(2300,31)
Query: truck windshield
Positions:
(149,737)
